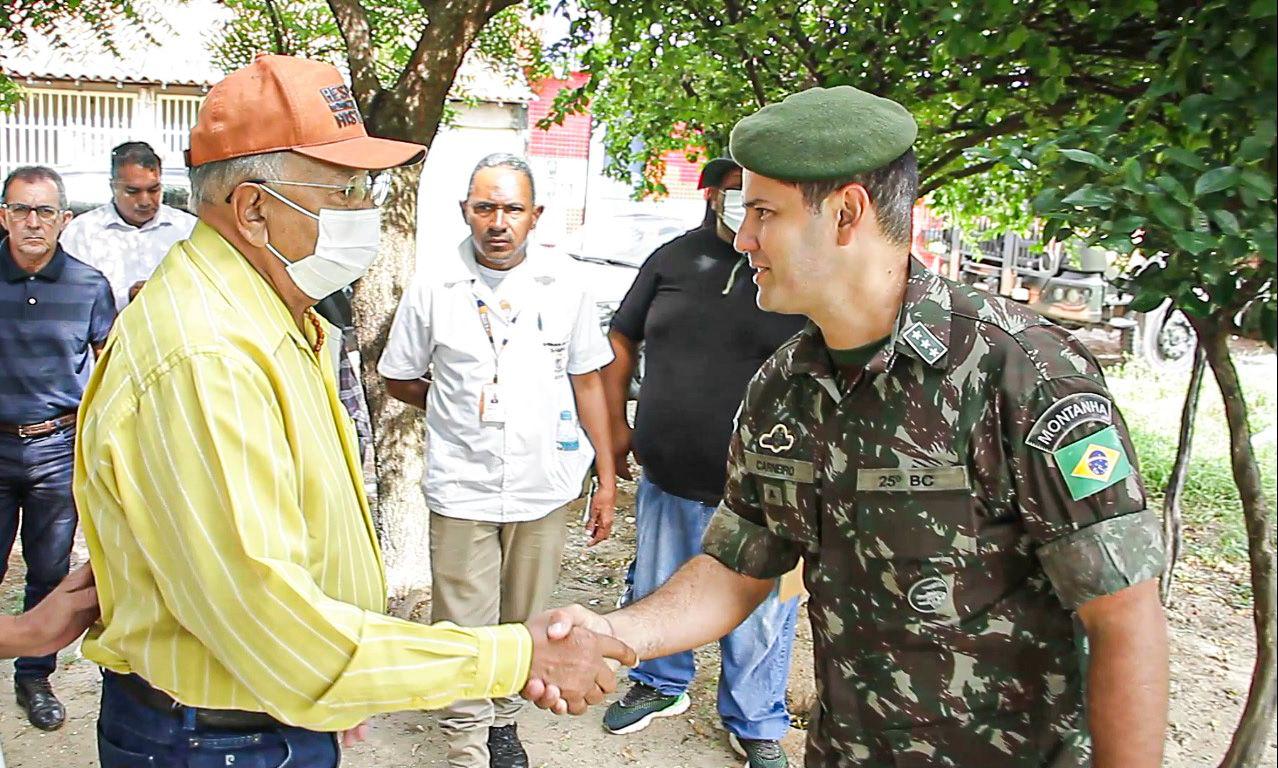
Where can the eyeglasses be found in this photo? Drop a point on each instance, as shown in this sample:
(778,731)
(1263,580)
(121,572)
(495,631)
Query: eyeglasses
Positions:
(362,187)
(20,211)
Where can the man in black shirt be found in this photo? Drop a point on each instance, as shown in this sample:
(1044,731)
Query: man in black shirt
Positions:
(693,307)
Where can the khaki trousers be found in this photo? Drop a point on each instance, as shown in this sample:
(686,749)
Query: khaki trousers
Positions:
(489,573)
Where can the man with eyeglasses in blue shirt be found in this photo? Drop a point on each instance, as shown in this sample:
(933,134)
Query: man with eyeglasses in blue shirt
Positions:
(55,313)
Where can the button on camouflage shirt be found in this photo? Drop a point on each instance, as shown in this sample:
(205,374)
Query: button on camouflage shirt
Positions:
(953,505)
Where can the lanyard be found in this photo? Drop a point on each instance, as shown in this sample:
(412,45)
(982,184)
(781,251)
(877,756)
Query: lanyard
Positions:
(487,322)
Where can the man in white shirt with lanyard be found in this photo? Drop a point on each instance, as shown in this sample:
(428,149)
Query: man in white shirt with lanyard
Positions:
(128,237)
(514,404)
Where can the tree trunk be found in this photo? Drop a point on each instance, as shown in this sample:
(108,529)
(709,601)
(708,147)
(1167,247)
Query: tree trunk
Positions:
(397,429)
(1251,739)
(1180,470)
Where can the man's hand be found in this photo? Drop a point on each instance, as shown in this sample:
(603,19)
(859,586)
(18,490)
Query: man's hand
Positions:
(622,435)
(133,289)
(602,513)
(560,623)
(573,663)
(61,617)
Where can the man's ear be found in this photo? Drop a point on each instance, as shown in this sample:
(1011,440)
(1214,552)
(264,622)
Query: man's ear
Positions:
(250,220)
(852,205)
(465,214)
(537,211)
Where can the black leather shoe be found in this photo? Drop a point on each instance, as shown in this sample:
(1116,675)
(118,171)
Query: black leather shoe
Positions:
(43,708)
(504,748)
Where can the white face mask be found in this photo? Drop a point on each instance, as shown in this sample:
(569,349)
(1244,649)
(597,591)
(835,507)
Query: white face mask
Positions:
(733,209)
(346,246)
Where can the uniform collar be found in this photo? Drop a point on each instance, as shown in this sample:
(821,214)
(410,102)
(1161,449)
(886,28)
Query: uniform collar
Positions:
(242,287)
(12,273)
(922,331)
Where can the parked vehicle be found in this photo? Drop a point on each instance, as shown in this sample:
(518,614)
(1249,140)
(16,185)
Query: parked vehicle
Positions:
(610,252)
(1074,285)
(88,189)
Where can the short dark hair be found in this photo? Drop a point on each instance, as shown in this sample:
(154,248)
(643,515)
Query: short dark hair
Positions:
(30,173)
(504,160)
(133,153)
(893,189)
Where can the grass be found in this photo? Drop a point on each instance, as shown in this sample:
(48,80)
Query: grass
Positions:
(1151,403)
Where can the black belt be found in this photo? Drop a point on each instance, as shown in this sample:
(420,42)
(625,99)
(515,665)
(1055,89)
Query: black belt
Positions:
(220,719)
(41,429)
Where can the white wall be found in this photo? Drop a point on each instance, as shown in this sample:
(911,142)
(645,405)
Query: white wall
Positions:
(477,131)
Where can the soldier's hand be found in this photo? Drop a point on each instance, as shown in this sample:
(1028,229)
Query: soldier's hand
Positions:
(570,670)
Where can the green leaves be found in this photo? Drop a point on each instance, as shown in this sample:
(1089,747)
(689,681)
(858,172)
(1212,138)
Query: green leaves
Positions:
(1194,242)
(1085,157)
(1216,180)
(1090,196)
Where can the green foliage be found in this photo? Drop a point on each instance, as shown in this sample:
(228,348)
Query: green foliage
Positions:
(1210,504)
(308,28)
(21,18)
(677,76)
(1185,173)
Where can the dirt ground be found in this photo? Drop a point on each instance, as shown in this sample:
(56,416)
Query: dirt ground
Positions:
(1212,657)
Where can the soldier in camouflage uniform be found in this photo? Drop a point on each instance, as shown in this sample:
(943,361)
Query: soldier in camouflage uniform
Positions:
(956,479)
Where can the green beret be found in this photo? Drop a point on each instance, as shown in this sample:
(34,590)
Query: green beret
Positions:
(823,134)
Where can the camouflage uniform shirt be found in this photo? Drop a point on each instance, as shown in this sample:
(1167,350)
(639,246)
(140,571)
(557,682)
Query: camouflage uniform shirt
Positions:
(953,505)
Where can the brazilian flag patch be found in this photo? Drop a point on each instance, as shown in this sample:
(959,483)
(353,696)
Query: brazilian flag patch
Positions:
(1093,464)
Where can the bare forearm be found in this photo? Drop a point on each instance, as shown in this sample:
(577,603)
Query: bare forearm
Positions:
(701,603)
(15,639)
(617,374)
(592,409)
(410,392)
(1127,686)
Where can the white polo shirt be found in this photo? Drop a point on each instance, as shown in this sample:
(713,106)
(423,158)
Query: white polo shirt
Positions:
(121,251)
(544,327)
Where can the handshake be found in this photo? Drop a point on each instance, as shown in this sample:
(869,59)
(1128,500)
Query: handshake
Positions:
(575,659)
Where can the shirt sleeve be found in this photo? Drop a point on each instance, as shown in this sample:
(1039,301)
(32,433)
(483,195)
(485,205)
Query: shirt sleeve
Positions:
(631,316)
(738,534)
(410,346)
(588,348)
(1078,486)
(236,536)
(102,316)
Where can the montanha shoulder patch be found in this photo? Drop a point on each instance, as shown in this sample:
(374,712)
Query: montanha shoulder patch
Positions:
(1066,414)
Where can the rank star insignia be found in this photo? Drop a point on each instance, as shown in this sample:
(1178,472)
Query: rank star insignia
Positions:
(778,439)
(1096,463)
(924,342)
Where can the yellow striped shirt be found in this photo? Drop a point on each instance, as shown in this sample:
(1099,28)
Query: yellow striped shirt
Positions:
(219,486)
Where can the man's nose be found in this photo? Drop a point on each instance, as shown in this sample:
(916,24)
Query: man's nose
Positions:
(500,221)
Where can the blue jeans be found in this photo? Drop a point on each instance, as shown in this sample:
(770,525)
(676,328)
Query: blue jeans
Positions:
(35,477)
(133,735)
(756,655)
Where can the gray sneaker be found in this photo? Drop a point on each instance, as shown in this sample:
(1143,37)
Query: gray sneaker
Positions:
(759,753)
(640,706)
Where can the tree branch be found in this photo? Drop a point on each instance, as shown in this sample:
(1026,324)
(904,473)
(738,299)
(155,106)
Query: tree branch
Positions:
(411,109)
(356,32)
(752,71)
(933,184)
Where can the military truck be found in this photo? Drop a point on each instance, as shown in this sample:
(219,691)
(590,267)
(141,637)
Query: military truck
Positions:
(1074,285)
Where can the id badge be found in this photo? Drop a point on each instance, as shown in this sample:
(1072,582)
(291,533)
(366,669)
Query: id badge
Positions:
(491,408)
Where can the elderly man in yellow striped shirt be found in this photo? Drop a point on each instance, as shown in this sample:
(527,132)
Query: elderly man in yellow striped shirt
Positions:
(216,470)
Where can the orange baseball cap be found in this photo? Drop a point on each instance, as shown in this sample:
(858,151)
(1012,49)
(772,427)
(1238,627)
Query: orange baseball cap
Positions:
(282,103)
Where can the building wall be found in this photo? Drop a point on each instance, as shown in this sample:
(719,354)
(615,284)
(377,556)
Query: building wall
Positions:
(476,131)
